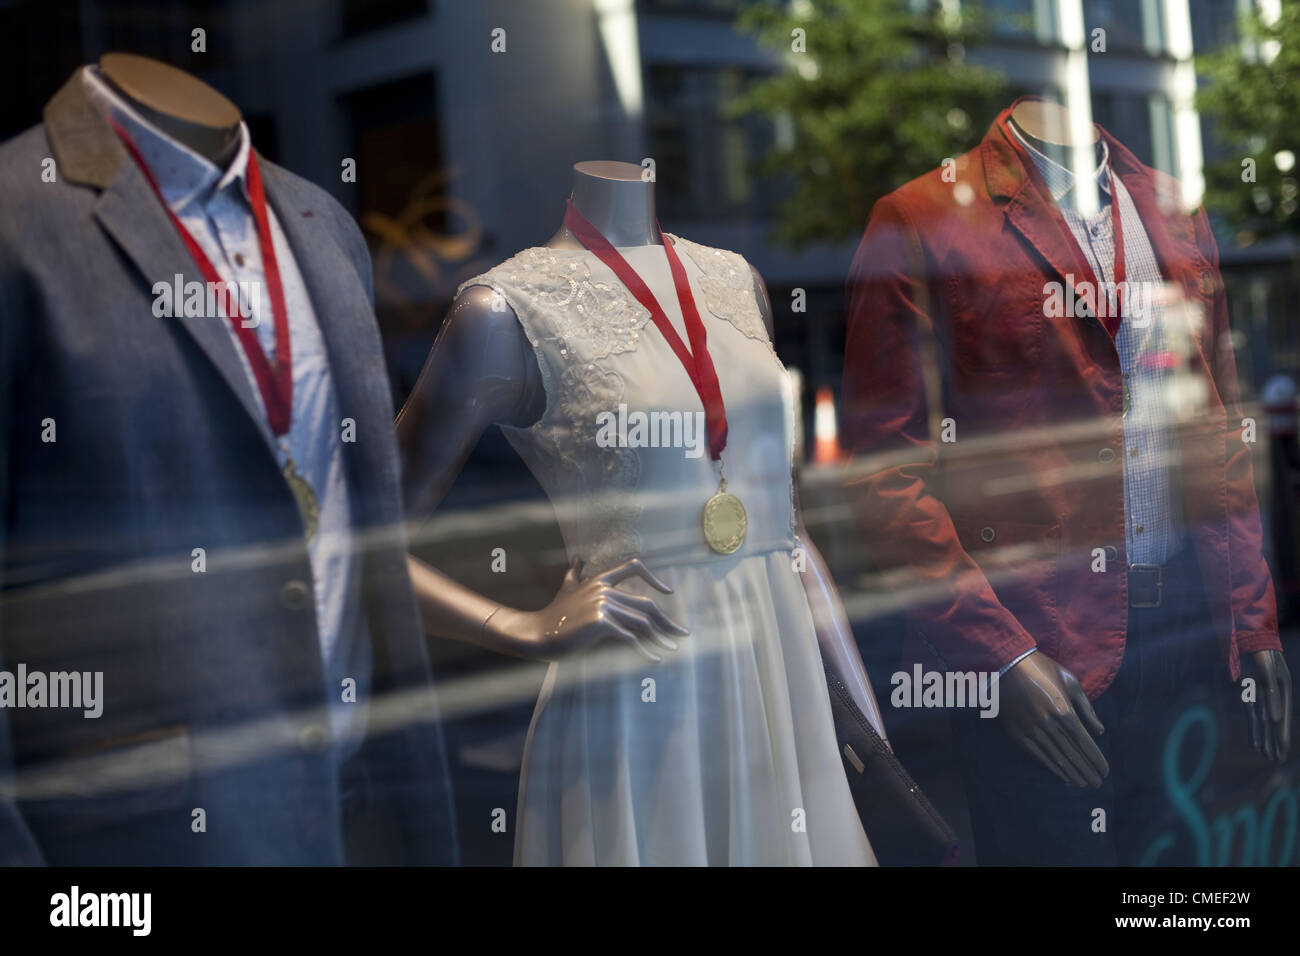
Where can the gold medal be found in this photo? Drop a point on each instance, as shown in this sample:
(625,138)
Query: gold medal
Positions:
(304,496)
(725,522)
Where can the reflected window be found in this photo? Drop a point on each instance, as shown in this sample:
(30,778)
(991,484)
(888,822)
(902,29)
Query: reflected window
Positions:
(1214,23)
(705,159)
(1033,20)
(1132,26)
(1144,124)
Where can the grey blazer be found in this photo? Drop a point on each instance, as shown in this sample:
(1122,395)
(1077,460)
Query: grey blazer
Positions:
(211,747)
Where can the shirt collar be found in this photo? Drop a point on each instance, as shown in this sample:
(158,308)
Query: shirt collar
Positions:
(1060,179)
(182,175)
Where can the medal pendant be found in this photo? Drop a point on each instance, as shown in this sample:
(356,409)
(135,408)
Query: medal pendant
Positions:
(305,497)
(725,522)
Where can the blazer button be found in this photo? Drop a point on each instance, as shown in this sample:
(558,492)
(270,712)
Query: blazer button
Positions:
(294,595)
(1106,456)
(312,738)
(987,534)
(1112,553)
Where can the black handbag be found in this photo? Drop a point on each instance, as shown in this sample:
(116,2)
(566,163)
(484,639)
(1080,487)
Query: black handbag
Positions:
(902,824)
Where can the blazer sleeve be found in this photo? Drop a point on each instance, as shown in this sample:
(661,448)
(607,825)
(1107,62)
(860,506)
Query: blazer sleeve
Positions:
(17,844)
(890,355)
(1254,605)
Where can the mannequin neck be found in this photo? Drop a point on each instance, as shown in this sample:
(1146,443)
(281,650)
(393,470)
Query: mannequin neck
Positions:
(1059,153)
(617,201)
(1047,127)
(180,105)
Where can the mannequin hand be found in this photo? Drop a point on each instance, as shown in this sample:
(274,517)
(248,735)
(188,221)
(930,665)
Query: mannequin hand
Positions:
(1270,711)
(586,613)
(1041,704)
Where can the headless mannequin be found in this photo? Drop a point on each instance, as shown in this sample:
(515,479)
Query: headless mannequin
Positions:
(182,106)
(482,371)
(1044,708)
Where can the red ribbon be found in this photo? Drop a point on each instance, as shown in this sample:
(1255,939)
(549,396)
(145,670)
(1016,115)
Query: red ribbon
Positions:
(696,360)
(274,378)
(1119,271)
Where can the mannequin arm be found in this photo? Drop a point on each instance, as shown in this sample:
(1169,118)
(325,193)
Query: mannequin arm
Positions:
(834,635)
(482,371)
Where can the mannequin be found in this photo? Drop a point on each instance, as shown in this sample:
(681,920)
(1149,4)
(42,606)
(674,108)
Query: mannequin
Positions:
(482,370)
(746,682)
(182,106)
(1038,694)
(178,443)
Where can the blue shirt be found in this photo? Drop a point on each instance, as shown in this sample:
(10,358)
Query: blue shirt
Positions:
(214,207)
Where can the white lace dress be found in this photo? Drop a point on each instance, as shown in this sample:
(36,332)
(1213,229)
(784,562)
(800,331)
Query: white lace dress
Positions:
(725,752)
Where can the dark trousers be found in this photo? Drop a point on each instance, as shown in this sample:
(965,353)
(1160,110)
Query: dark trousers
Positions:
(1023,815)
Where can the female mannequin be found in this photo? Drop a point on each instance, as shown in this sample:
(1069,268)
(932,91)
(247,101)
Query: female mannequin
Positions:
(483,369)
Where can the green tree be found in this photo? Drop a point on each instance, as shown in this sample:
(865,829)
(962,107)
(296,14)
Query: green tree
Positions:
(1251,95)
(879,92)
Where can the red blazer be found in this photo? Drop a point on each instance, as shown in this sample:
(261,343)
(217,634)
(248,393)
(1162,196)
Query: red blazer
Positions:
(993,539)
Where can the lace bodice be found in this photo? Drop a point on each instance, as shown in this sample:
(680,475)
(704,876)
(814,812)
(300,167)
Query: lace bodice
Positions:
(618,491)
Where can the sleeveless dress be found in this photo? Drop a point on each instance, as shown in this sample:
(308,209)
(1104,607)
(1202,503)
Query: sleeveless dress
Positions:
(725,752)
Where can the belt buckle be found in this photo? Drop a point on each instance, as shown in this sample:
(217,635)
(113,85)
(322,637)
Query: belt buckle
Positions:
(1159,582)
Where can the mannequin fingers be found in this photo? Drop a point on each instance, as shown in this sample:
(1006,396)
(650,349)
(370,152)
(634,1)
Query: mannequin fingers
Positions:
(1086,746)
(1073,751)
(650,609)
(1272,694)
(620,631)
(1284,725)
(638,624)
(1037,753)
(635,568)
(1276,712)
(1269,734)
(1256,735)
(1083,706)
(1053,750)
(1041,756)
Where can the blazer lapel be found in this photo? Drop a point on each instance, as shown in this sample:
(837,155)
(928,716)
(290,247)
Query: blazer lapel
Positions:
(88,151)
(133,216)
(1032,215)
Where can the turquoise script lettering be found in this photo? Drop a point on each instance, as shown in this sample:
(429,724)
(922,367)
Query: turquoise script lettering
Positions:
(1213,841)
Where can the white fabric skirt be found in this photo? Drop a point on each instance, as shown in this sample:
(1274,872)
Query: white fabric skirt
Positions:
(723,754)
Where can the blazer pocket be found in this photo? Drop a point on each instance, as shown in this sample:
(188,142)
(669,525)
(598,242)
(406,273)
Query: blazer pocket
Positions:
(1021,561)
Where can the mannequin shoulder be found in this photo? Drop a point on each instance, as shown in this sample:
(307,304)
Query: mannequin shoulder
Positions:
(482,326)
(42,210)
(30,176)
